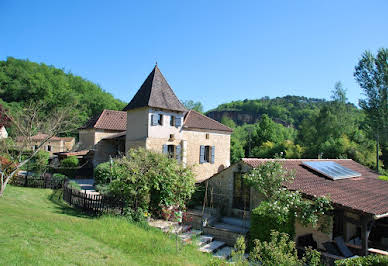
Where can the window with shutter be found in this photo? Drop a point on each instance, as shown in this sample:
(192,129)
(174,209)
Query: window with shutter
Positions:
(178,122)
(160,120)
(178,153)
(154,120)
(202,154)
(165,149)
(213,151)
(172,121)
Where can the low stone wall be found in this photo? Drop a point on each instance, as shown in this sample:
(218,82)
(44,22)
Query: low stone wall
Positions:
(224,235)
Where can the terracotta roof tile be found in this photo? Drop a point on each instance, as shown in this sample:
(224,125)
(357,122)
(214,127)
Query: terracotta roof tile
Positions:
(155,92)
(108,119)
(366,194)
(196,120)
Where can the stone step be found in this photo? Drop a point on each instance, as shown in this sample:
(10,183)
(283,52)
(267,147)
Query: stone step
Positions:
(189,235)
(180,229)
(204,239)
(224,253)
(212,247)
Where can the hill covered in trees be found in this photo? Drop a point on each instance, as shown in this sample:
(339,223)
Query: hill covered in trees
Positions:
(22,82)
(288,110)
(298,127)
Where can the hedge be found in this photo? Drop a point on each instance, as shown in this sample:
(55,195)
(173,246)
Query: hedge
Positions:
(371,260)
(103,173)
(263,220)
(70,162)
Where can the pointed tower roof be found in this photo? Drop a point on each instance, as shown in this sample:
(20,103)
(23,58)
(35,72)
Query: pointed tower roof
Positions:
(155,92)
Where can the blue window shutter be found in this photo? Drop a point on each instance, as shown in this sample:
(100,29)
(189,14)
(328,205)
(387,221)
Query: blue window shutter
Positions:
(202,154)
(154,120)
(165,149)
(178,121)
(178,153)
(212,156)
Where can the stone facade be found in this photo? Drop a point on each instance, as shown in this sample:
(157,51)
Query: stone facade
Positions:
(54,146)
(197,138)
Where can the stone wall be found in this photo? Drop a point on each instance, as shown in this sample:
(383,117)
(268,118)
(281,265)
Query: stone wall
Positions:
(69,144)
(318,236)
(137,124)
(220,189)
(86,138)
(195,139)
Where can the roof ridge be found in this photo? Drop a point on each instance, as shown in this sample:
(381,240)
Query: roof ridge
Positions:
(325,159)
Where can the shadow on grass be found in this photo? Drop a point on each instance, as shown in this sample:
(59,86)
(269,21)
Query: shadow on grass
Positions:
(64,208)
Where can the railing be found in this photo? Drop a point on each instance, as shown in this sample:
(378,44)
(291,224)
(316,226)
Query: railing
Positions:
(37,182)
(94,203)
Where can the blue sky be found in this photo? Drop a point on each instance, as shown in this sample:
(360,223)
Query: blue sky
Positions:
(209,51)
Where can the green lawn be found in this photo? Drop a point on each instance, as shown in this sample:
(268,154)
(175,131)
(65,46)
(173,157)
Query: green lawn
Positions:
(38,229)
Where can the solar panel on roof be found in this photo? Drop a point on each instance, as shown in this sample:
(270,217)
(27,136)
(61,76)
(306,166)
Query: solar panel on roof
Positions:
(331,169)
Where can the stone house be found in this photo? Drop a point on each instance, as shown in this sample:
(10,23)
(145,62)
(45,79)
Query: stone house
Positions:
(360,200)
(53,145)
(155,119)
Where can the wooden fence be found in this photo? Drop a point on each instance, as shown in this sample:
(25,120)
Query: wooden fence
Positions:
(37,182)
(94,203)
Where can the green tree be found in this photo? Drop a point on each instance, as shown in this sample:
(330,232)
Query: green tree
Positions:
(191,105)
(371,73)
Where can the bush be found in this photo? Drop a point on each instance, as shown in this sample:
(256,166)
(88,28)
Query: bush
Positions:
(59,177)
(70,162)
(103,173)
(264,219)
(371,260)
(279,250)
(148,180)
(39,163)
(73,185)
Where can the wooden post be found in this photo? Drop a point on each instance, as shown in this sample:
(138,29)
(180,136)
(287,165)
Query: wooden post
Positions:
(366,226)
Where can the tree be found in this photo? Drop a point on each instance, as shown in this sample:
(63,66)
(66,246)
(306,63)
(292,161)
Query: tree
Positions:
(270,179)
(25,124)
(371,73)
(191,105)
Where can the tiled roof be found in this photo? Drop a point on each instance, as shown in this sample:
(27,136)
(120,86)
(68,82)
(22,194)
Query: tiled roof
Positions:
(74,153)
(196,120)
(42,136)
(155,92)
(108,119)
(120,135)
(366,193)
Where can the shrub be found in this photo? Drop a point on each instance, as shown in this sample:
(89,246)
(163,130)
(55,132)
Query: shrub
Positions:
(103,173)
(59,177)
(383,177)
(70,162)
(73,185)
(149,180)
(264,219)
(279,250)
(371,260)
(39,163)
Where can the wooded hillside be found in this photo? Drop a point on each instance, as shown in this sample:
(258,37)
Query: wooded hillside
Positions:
(22,81)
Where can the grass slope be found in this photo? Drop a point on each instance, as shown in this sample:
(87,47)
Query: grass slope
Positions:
(36,228)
